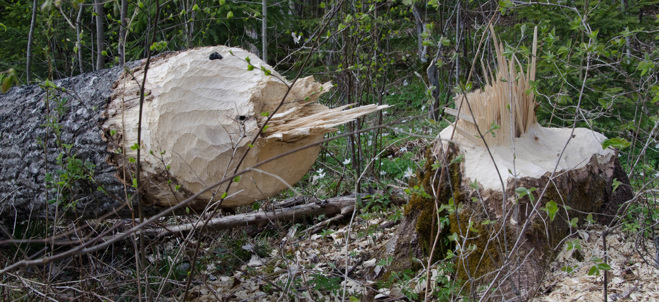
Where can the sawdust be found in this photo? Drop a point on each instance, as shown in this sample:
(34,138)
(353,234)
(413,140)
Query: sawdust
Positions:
(310,268)
(630,277)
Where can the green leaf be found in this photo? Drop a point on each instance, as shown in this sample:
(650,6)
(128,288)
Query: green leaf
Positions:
(113,132)
(229,15)
(236,179)
(224,195)
(594,271)
(265,114)
(158,46)
(603,266)
(266,127)
(574,221)
(449,254)
(457,159)
(135,146)
(552,208)
(250,67)
(616,142)
(10,79)
(265,71)
(132,160)
(590,219)
(615,184)
(522,191)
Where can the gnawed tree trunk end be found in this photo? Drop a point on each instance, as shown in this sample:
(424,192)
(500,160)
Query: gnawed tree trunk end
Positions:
(71,146)
(508,190)
(202,115)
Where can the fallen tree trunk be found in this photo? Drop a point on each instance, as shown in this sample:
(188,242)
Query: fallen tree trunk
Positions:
(503,193)
(71,146)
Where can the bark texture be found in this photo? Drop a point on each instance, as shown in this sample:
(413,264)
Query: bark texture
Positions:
(30,144)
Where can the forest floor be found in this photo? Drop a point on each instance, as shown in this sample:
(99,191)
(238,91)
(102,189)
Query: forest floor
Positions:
(309,267)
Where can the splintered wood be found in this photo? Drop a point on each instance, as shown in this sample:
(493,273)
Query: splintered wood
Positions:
(502,116)
(201,115)
(505,101)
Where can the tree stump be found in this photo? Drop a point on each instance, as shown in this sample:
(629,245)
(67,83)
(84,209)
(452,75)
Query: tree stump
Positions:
(505,191)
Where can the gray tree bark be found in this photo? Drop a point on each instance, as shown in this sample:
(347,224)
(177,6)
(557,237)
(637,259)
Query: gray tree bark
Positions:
(37,125)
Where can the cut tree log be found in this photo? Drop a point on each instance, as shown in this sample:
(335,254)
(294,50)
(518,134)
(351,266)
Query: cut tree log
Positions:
(510,189)
(71,144)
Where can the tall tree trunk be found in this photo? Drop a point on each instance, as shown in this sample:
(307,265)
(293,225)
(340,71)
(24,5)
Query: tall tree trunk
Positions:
(122,33)
(30,36)
(100,34)
(420,28)
(79,39)
(264,33)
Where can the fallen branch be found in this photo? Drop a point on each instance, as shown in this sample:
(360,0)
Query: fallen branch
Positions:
(314,207)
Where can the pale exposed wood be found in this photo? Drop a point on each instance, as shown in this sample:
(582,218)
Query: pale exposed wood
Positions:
(202,115)
(506,103)
(462,115)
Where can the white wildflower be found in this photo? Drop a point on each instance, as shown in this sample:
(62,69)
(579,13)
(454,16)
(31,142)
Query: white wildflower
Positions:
(383,173)
(403,150)
(296,38)
(409,173)
(321,174)
(346,162)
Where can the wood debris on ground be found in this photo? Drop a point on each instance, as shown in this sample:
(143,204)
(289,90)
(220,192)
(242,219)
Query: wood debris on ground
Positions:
(630,278)
(311,267)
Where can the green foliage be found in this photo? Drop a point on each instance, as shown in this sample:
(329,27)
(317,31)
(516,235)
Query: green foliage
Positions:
(323,283)
(599,266)
(70,172)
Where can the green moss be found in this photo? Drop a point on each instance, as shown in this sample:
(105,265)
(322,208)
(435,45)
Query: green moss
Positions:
(422,204)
